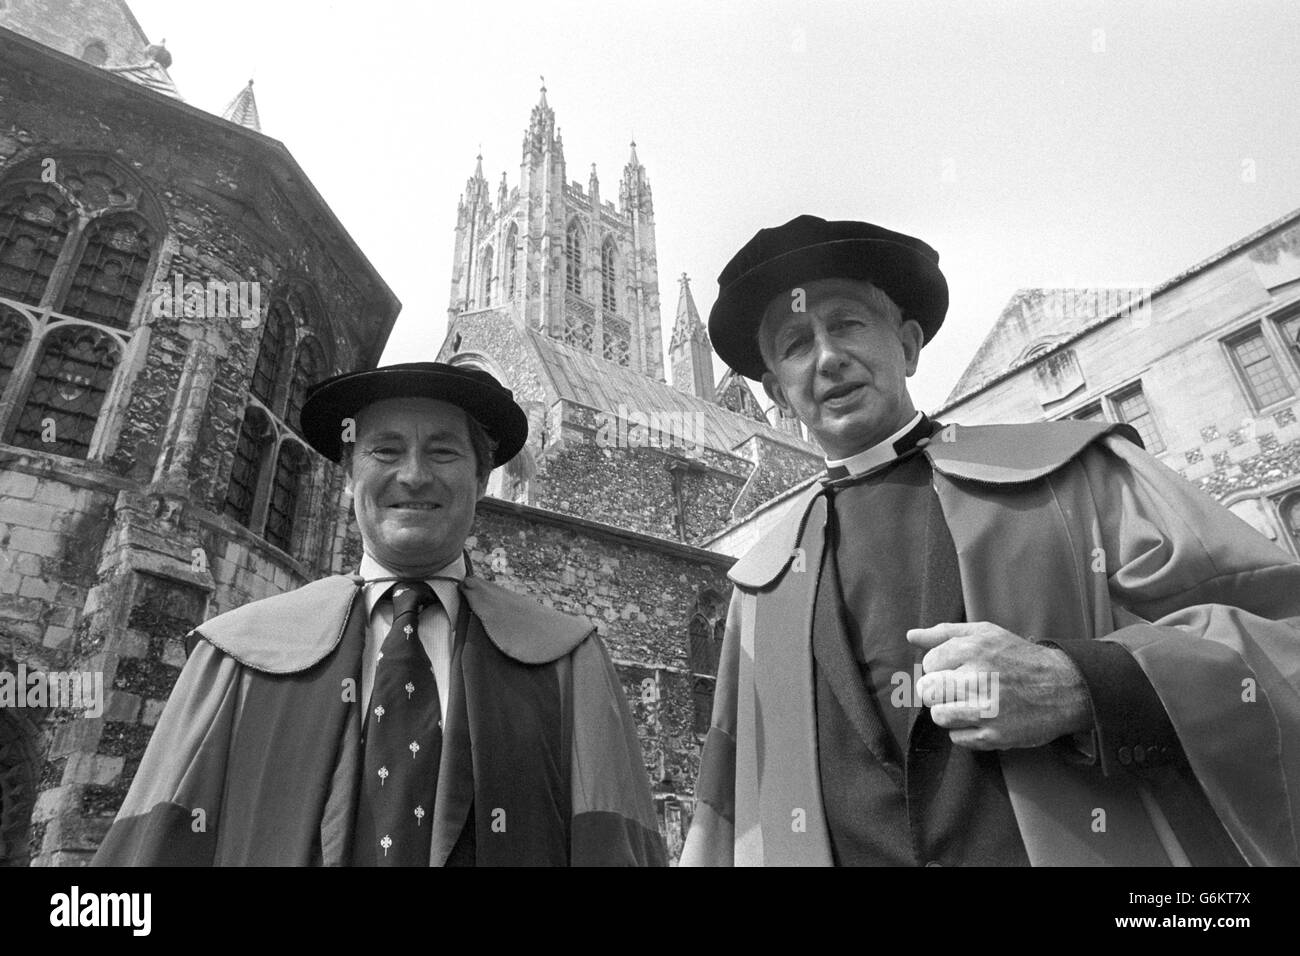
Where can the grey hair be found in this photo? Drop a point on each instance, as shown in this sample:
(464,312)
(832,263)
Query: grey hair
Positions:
(876,297)
(485,449)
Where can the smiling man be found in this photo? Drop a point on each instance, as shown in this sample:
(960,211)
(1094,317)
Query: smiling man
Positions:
(1007,645)
(411,714)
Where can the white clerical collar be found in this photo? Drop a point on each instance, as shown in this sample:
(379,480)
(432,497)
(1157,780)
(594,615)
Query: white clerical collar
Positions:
(446,590)
(873,457)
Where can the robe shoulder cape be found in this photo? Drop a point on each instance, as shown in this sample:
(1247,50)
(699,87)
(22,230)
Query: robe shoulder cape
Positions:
(255,759)
(1063,530)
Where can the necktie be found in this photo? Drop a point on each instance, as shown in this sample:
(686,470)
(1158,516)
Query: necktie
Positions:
(403,740)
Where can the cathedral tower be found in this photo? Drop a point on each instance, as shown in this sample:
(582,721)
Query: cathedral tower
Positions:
(557,258)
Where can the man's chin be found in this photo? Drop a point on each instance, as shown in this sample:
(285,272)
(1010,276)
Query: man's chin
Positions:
(852,434)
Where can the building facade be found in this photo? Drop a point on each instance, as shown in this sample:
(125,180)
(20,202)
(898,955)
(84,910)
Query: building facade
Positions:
(1206,366)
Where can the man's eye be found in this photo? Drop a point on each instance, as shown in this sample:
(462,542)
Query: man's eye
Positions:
(385,453)
(793,347)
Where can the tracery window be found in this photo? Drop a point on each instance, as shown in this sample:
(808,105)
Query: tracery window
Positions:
(485,277)
(608,291)
(512,261)
(272,471)
(33,228)
(72,375)
(285,489)
(573,258)
(78,238)
(255,433)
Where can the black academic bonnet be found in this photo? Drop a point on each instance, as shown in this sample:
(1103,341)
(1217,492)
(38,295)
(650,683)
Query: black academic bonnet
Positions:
(489,402)
(807,248)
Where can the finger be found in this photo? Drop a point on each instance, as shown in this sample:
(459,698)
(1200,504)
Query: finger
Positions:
(956,716)
(931,637)
(943,687)
(973,739)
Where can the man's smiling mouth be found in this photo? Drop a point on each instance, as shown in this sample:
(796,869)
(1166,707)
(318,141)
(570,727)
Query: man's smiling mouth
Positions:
(415,505)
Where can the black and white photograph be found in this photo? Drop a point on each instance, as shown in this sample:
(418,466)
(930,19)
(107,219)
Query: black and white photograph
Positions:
(763,433)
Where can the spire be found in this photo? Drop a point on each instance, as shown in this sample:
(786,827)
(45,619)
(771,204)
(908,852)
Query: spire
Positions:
(634,188)
(478,167)
(689,350)
(688,325)
(243,109)
(542,133)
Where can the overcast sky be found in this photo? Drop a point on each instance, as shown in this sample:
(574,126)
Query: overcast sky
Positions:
(1032,143)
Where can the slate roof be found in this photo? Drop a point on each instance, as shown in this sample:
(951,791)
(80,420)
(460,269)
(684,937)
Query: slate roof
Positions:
(581,377)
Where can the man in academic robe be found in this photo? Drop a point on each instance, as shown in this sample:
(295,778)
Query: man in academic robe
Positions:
(410,714)
(1005,644)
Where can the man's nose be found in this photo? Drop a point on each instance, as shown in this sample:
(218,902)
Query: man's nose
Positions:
(414,470)
(830,357)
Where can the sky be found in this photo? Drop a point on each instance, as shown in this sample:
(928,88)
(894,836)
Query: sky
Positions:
(1033,144)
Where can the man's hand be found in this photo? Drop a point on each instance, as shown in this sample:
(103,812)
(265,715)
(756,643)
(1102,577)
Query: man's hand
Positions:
(994,690)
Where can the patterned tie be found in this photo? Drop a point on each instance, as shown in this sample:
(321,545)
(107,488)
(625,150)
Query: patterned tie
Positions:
(403,739)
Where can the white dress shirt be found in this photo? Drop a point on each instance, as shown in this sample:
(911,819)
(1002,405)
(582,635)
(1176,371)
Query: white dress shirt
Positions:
(876,455)
(435,626)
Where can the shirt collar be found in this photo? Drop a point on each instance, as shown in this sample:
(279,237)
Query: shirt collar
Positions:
(447,591)
(878,454)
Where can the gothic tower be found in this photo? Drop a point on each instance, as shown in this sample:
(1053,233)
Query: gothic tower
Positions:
(557,258)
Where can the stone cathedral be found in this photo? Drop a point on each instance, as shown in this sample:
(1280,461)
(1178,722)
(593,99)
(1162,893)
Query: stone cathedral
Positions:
(152,473)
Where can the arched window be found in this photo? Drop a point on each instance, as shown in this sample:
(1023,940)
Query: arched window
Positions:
(485,278)
(608,291)
(107,281)
(15,330)
(308,370)
(701,704)
(95,54)
(274,353)
(573,258)
(705,630)
(78,234)
(34,224)
(286,486)
(512,261)
(704,659)
(72,374)
(250,453)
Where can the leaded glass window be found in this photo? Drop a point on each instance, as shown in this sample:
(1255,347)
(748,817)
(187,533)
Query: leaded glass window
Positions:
(107,282)
(72,375)
(285,488)
(250,450)
(573,259)
(33,228)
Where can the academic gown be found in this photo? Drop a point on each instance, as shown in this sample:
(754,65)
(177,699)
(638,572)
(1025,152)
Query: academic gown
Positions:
(256,758)
(1064,531)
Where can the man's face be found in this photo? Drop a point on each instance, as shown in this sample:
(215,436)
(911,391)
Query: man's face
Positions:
(414,483)
(841,364)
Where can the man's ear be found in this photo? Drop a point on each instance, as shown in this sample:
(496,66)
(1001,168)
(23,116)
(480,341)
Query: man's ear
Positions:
(912,336)
(776,393)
